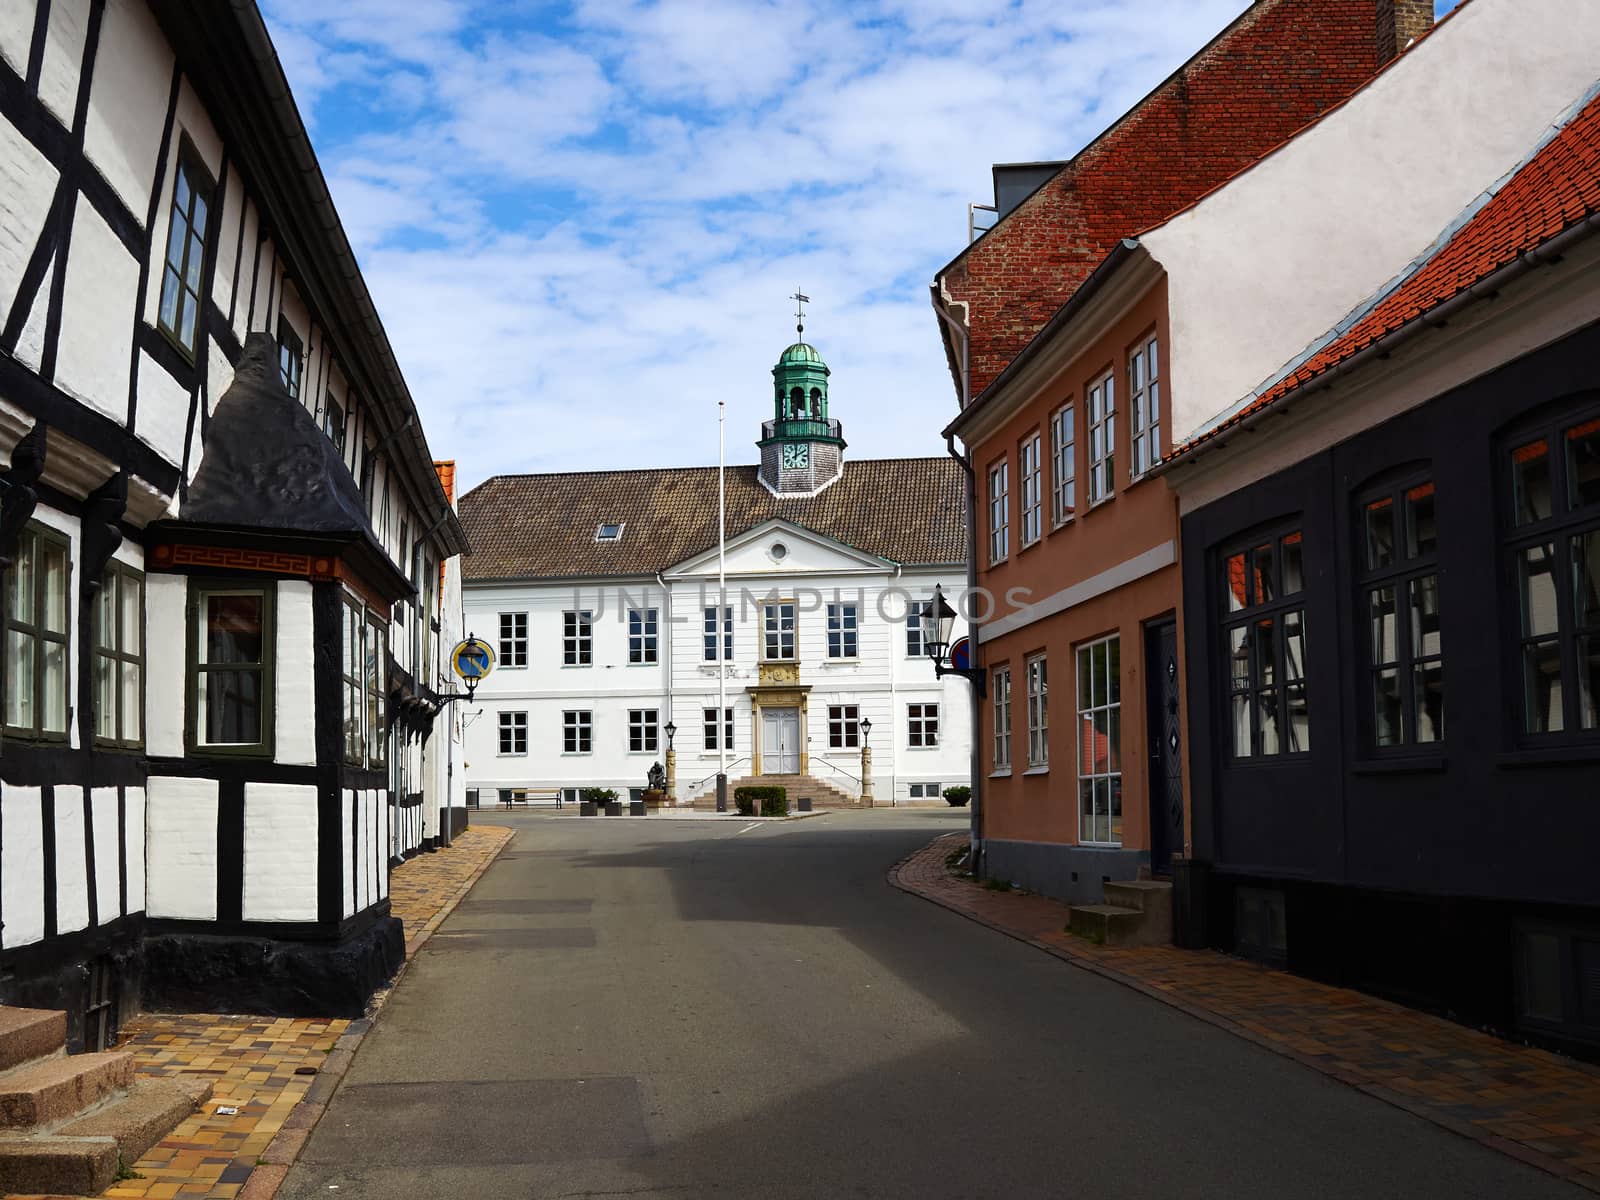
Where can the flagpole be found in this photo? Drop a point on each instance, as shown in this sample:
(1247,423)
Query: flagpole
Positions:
(720,629)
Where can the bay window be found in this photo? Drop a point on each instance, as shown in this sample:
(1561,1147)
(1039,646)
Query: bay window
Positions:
(231,670)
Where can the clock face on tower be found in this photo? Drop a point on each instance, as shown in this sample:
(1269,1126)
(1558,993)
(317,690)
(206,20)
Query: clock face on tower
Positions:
(796,455)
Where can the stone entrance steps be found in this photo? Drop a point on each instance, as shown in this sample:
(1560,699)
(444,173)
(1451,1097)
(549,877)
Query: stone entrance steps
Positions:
(823,795)
(1136,912)
(67,1122)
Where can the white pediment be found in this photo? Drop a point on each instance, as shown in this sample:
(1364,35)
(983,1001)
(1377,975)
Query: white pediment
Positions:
(779,547)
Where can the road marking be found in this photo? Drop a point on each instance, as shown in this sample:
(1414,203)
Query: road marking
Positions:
(748,828)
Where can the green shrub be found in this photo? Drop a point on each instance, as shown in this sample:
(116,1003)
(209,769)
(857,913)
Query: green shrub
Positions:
(774,801)
(598,795)
(957,797)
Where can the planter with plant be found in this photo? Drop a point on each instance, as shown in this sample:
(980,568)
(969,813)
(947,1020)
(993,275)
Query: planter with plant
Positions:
(957,797)
(772,801)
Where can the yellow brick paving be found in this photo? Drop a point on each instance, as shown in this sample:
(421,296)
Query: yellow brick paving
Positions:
(254,1060)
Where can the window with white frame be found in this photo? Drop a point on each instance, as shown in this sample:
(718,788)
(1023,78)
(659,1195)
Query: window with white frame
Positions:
(1063,465)
(999,511)
(926,791)
(577,638)
(1144,406)
(1102,418)
(922,726)
(914,646)
(708,719)
(577,732)
(1000,706)
(1029,476)
(513,733)
(513,640)
(643,641)
(642,736)
(709,639)
(1038,680)
(1100,742)
(777,631)
(841,631)
(844,727)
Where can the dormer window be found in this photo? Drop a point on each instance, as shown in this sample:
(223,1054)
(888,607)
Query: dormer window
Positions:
(608,533)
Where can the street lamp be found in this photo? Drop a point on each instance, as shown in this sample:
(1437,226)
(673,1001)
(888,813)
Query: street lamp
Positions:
(669,731)
(937,624)
(866,729)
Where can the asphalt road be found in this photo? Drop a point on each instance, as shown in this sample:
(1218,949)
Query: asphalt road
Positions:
(687,1009)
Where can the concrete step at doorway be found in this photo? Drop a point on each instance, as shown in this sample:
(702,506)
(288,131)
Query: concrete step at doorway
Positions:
(823,795)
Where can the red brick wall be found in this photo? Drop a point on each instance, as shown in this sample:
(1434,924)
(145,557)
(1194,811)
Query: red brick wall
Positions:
(1277,69)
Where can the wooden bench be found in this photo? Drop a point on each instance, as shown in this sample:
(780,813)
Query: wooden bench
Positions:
(510,797)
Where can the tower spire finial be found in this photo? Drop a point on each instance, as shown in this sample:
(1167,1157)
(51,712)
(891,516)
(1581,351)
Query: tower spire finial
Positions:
(800,301)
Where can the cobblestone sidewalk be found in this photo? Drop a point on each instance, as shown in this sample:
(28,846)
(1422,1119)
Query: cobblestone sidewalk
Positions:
(256,1060)
(1530,1104)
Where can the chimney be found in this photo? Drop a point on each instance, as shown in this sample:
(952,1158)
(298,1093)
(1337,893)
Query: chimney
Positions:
(1399,22)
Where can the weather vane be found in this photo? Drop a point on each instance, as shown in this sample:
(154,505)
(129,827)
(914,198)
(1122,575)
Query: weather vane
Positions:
(800,301)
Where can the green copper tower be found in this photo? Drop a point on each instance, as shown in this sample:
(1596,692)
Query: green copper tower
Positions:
(802,448)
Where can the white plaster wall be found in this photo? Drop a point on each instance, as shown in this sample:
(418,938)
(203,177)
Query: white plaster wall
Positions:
(219,375)
(190,120)
(346,851)
(280,852)
(380,846)
(363,860)
(162,420)
(72,876)
(30,346)
(294,694)
(1267,264)
(233,204)
(16,35)
(181,854)
(63,57)
(107,854)
(133,801)
(21,865)
(165,598)
(266,269)
(193,120)
(248,263)
(97,316)
(27,183)
(128,102)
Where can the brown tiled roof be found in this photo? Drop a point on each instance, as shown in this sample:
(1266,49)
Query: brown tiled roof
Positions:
(908,510)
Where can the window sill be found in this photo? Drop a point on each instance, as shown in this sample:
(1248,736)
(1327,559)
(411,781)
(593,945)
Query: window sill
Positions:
(1044,770)
(1398,765)
(577,754)
(1000,773)
(511,754)
(1026,546)
(1102,502)
(842,662)
(1100,845)
(1549,756)
(919,749)
(1065,523)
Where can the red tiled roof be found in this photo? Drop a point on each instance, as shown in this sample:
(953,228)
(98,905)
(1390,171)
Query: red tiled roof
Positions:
(1556,189)
(446,469)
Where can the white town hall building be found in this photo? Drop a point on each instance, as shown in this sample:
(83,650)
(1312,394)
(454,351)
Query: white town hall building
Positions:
(599,593)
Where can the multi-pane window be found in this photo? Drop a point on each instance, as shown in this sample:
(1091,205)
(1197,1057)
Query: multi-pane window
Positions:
(353,671)
(709,641)
(915,609)
(1555,549)
(1000,704)
(577,638)
(1264,640)
(186,254)
(1038,679)
(577,732)
(513,733)
(333,425)
(708,719)
(999,511)
(1029,475)
(841,631)
(119,658)
(642,736)
(1063,465)
(36,623)
(777,631)
(513,640)
(923,725)
(291,357)
(1399,598)
(1100,742)
(844,726)
(376,655)
(232,668)
(925,791)
(1102,420)
(1144,407)
(642,635)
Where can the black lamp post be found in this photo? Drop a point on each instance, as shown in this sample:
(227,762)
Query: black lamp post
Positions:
(866,730)
(938,622)
(669,730)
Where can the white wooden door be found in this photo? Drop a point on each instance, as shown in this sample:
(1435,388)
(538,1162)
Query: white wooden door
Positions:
(780,741)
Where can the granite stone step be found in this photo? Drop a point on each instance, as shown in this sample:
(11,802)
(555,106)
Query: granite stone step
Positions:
(153,1108)
(30,1033)
(43,1163)
(48,1090)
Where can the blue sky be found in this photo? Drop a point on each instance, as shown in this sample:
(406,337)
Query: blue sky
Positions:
(581,220)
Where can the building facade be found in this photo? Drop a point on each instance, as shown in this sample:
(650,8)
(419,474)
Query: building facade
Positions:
(600,594)
(220,531)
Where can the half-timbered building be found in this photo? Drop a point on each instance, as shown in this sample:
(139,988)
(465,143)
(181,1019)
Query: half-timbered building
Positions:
(221,531)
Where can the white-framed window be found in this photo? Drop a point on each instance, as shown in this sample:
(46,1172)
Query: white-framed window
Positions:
(841,631)
(577,732)
(1102,418)
(513,640)
(922,722)
(709,634)
(513,733)
(1029,476)
(777,630)
(1038,679)
(1144,407)
(577,638)
(926,791)
(642,730)
(643,643)
(1000,707)
(708,720)
(1063,465)
(844,727)
(1100,742)
(999,511)
(914,646)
